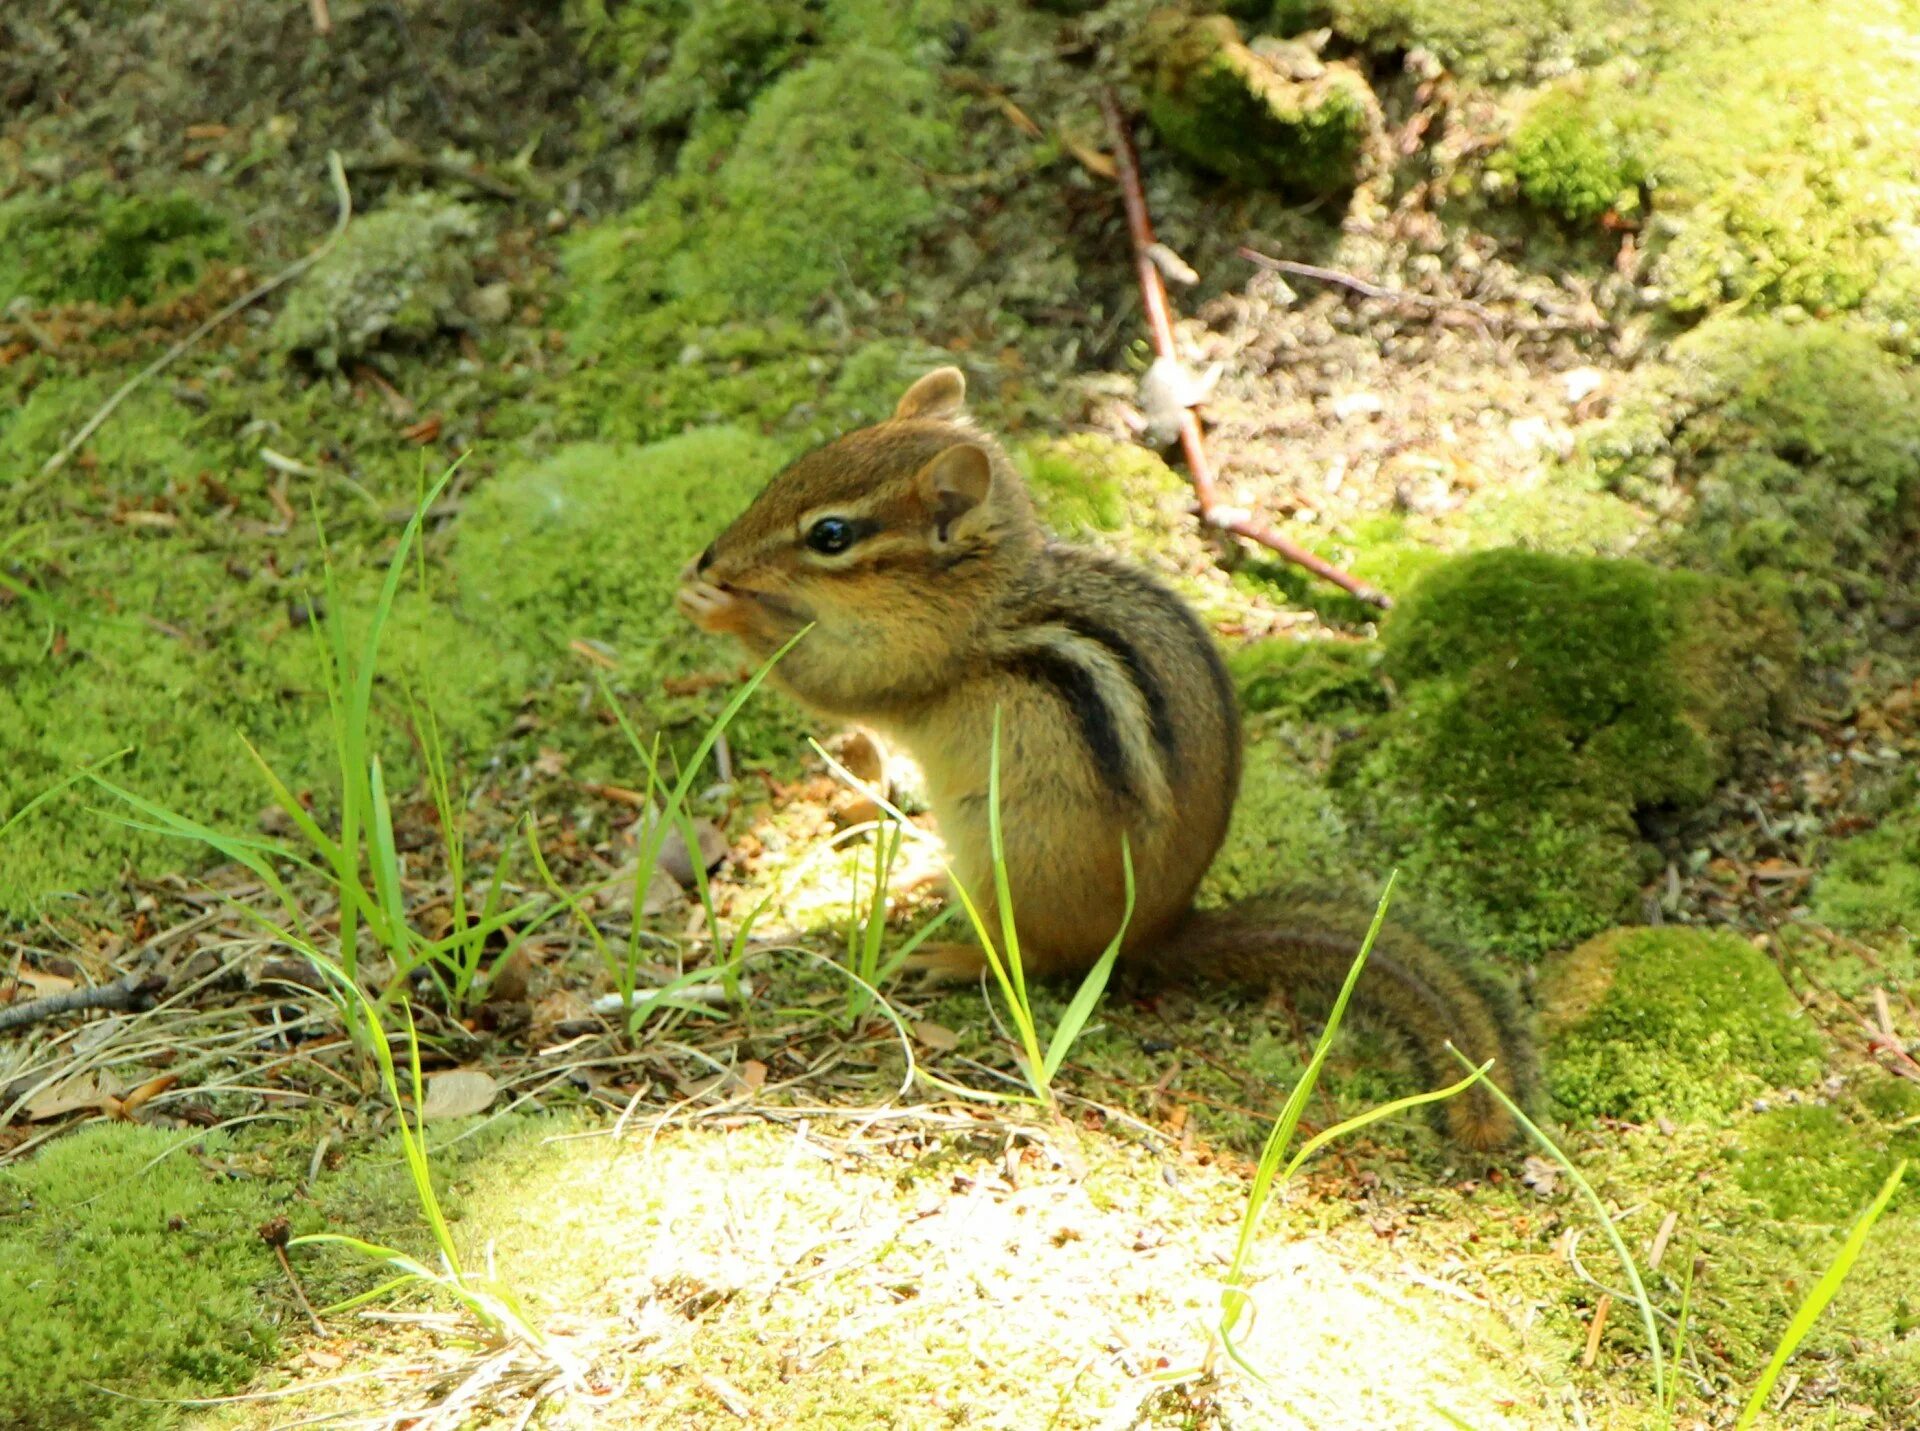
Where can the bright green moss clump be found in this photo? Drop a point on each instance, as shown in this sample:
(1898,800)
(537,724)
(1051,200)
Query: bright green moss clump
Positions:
(1486,39)
(1309,680)
(1808,1162)
(1287,829)
(140,1273)
(1570,157)
(176,636)
(99,247)
(1085,483)
(724,53)
(1871,883)
(734,230)
(1772,147)
(1268,115)
(1674,1022)
(1543,701)
(1793,448)
(700,305)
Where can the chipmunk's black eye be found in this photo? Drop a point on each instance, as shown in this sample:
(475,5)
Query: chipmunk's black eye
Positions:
(831,535)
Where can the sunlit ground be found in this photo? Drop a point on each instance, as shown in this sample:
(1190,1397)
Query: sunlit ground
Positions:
(867,1274)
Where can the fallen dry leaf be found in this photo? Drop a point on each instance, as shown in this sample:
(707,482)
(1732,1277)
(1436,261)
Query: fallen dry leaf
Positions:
(33,984)
(71,1095)
(458,1094)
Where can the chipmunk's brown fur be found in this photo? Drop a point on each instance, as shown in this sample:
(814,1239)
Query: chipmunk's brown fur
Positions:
(937,600)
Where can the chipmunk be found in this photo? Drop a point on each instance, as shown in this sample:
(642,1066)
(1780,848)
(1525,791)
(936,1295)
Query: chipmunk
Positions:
(936,601)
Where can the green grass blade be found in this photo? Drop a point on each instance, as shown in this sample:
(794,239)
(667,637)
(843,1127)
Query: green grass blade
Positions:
(295,811)
(1607,1226)
(1680,1336)
(1094,985)
(1374,1115)
(477,932)
(1233,1301)
(571,903)
(384,856)
(691,770)
(1002,890)
(1822,1293)
(1017,1010)
(915,940)
(255,855)
(19,816)
(373,1294)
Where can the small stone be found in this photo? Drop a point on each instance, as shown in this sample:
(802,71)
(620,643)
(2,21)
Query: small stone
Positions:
(399,275)
(678,863)
(861,752)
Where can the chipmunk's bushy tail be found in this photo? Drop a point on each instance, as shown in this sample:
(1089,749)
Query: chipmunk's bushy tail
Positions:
(1306,944)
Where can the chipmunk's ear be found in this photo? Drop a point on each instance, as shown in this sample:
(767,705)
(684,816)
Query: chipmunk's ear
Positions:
(941,394)
(954,484)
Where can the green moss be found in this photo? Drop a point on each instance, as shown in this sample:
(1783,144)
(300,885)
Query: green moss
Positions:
(1087,484)
(699,306)
(1570,157)
(130,1257)
(1309,680)
(724,53)
(1543,701)
(1676,1023)
(732,235)
(1795,446)
(589,543)
(177,637)
(94,245)
(1287,829)
(1495,39)
(1773,153)
(1809,1163)
(1270,115)
(1558,515)
(128,1270)
(1870,883)
(396,276)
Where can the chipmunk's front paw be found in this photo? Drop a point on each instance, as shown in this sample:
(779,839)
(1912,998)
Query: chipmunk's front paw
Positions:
(711,608)
(937,964)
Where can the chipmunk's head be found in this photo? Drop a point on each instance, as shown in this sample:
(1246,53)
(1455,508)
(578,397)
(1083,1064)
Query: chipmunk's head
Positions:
(890,541)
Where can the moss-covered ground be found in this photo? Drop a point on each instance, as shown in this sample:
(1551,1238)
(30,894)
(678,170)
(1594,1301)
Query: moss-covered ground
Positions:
(1637,461)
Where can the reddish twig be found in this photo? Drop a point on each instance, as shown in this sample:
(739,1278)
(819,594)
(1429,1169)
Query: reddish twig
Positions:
(275,1233)
(1153,296)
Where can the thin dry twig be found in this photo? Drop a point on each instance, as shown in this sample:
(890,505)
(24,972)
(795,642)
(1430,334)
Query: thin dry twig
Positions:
(126,992)
(275,1233)
(322,18)
(1595,1330)
(1363,287)
(1153,296)
(246,300)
